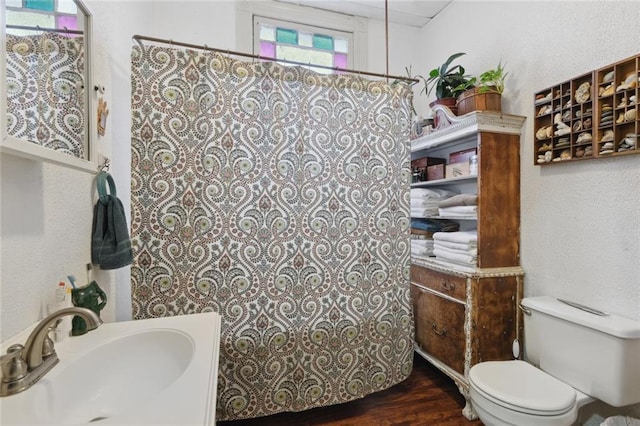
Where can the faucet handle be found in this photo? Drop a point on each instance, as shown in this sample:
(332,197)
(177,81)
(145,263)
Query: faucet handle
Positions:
(47,345)
(12,364)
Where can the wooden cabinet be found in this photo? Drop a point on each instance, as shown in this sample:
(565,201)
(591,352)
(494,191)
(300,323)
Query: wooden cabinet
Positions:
(464,315)
(594,115)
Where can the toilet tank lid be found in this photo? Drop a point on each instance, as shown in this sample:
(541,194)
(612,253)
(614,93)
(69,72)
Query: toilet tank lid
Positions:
(624,328)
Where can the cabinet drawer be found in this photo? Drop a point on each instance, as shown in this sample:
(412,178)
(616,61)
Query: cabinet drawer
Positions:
(450,285)
(439,327)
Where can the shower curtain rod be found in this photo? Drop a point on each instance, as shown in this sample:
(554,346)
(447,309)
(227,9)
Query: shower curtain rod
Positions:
(39,28)
(139,38)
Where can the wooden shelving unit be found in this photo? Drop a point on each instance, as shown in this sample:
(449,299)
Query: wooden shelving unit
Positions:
(594,115)
(466,314)
(618,108)
(564,121)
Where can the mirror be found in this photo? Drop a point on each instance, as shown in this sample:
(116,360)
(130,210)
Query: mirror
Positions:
(48,109)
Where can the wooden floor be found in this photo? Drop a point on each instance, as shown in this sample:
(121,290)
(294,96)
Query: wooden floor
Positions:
(426,398)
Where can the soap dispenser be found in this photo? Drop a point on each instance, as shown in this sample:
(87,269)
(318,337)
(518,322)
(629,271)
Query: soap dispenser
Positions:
(90,296)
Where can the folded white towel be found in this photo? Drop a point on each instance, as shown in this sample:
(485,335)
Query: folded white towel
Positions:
(457,246)
(431,193)
(453,215)
(424,202)
(456,258)
(422,243)
(459,209)
(457,237)
(423,212)
(465,252)
(460,200)
(418,249)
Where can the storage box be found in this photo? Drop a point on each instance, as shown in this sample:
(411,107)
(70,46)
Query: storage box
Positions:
(423,164)
(427,161)
(457,170)
(462,156)
(435,172)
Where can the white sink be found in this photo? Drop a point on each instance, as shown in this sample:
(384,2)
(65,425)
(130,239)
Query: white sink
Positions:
(155,371)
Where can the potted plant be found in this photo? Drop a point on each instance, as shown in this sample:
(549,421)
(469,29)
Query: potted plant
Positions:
(486,93)
(447,82)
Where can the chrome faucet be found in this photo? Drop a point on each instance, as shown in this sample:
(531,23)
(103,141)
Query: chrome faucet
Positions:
(22,366)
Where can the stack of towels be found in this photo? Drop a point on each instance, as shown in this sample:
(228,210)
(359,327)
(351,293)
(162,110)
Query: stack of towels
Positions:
(461,205)
(421,247)
(457,247)
(424,201)
(422,231)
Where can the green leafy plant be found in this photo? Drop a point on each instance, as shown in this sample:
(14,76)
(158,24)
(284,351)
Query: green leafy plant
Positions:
(447,82)
(492,79)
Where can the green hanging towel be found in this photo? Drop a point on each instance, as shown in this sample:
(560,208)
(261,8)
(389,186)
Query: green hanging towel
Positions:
(110,243)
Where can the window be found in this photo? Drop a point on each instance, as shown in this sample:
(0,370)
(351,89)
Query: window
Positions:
(335,27)
(302,43)
(46,14)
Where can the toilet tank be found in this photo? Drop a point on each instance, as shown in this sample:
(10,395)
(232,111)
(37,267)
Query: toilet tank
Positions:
(596,354)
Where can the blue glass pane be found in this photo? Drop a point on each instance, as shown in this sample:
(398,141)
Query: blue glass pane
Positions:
(323,42)
(284,35)
(47,5)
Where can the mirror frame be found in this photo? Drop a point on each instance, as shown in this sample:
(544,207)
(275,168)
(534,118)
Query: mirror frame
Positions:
(19,147)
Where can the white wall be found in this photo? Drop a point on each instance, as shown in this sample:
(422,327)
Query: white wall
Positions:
(581,220)
(46,235)
(402,48)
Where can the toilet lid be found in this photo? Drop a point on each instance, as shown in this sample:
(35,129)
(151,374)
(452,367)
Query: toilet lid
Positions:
(520,386)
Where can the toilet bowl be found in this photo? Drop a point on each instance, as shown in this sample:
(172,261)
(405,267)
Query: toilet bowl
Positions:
(574,355)
(516,393)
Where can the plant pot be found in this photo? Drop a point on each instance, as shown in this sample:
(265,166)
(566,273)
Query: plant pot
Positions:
(474,100)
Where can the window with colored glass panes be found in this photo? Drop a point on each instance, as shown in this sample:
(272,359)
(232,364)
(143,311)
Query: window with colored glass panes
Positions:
(45,14)
(303,44)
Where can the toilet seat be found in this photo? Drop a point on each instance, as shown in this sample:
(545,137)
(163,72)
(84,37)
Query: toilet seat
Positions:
(519,386)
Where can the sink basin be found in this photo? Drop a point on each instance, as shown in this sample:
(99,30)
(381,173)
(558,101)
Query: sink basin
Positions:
(100,374)
(156,371)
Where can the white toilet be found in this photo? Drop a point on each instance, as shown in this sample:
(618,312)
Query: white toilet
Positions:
(574,356)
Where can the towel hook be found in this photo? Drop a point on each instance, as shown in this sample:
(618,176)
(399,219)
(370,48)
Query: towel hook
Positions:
(104,166)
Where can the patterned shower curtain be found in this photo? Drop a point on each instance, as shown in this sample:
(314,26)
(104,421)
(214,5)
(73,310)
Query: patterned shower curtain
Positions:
(277,197)
(45,91)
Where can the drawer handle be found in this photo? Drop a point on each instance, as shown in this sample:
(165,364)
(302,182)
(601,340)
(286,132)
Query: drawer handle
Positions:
(448,286)
(438,332)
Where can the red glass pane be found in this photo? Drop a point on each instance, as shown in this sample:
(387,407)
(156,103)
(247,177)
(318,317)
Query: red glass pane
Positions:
(267,49)
(69,22)
(340,61)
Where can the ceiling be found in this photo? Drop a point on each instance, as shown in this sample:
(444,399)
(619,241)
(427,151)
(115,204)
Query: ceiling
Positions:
(415,13)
